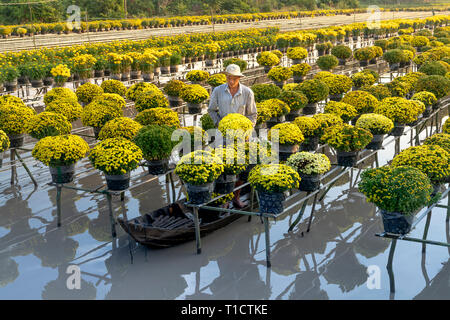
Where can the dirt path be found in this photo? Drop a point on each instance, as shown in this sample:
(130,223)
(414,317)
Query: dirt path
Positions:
(48,40)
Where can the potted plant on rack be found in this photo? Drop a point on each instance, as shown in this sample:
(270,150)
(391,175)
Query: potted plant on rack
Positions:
(87,92)
(216,80)
(147,66)
(60,153)
(438,85)
(310,129)
(362,79)
(47,124)
(233,159)
(399,192)
(439,139)
(394,57)
(428,99)
(97,114)
(13,121)
(122,127)
(101,66)
(4,145)
(347,140)
(363,55)
(175,61)
(321,48)
(116,157)
(114,65)
(279,75)
(343,53)
(114,86)
(289,139)
(10,74)
(156,145)
(338,84)
(343,110)
(159,116)
(295,100)
(271,181)
(363,101)
(265,91)
(432,160)
(135,65)
(327,62)
(315,90)
(125,67)
(198,170)
(378,125)
(297,54)
(399,110)
(267,60)
(60,74)
(310,167)
(57,94)
(151,99)
(194,95)
(277,110)
(83,66)
(197,76)
(173,90)
(299,71)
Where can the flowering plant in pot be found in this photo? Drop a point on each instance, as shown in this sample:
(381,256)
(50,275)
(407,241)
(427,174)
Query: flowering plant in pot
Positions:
(438,85)
(279,75)
(97,114)
(265,91)
(297,54)
(439,139)
(101,66)
(344,110)
(10,74)
(427,98)
(158,116)
(277,110)
(216,80)
(394,57)
(173,89)
(137,89)
(71,110)
(122,127)
(13,121)
(4,145)
(114,86)
(338,84)
(197,76)
(432,160)
(299,71)
(151,99)
(363,101)
(379,91)
(446,126)
(310,129)
(35,71)
(398,192)
(207,122)
(310,167)
(434,68)
(271,181)
(111,99)
(233,159)
(399,110)
(347,140)
(87,92)
(295,100)
(156,145)
(135,65)
(47,124)
(198,170)
(327,62)
(419,108)
(378,125)
(315,90)
(268,60)
(60,74)
(363,55)
(83,65)
(60,153)
(116,158)
(236,126)
(194,95)
(362,79)
(57,94)
(125,67)
(289,138)
(342,52)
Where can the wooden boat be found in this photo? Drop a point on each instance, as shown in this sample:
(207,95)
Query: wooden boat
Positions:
(174,224)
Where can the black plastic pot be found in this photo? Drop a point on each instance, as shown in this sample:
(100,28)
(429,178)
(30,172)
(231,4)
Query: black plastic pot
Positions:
(62,174)
(298,79)
(194,108)
(274,121)
(271,202)
(347,159)
(174,101)
(225,184)
(398,130)
(199,194)
(309,182)
(376,143)
(286,150)
(96,131)
(156,167)
(310,144)
(16,140)
(335,97)
(293,114)
(310,108)
(37,83)
(48,81)
(99,73)
(363,63)
(396,223)
(118,182)
(428,111)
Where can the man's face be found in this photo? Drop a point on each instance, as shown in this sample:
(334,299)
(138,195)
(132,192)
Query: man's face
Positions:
(233,81)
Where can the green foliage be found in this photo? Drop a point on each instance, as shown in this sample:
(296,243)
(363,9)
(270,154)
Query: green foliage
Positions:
(265,91)
(241,63)
(327,62)
(155,141)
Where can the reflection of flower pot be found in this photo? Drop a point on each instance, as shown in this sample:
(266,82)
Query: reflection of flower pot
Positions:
(396,223)
(199,194)
(310,108)
(398,130)
(96,131)
(376,143)
(165,70)
(174,101)
(37,83)
(16,140)
(135,74)
(336,97)
(310,144)
(194,108)
(62,174)
(347,159)
(309,182)
(293,114)
(156,167)
(148,76)
(298,79)
(225,183)
(271,202)
(286,150)
(118,182)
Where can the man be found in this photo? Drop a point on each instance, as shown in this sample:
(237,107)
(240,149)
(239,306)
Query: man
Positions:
(233,97)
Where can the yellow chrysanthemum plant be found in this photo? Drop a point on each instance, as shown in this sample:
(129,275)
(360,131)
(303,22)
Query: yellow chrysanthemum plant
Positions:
(4,144)
(60,74)
(47,124)
(427,98)
(399,110)
(60,94)
(310,166)
(378,125)
(87,92)
(363,101)
(70,109)
(344,110)
(194,95)
(121,127)
(297,54)
(160,116)
(60,153)
(198,170)
(271,181)
(235,128)
(289,138)
(311,131)
(197,76)
(14,120)
(97,114)
(446,126)
(151,99)
(116,158)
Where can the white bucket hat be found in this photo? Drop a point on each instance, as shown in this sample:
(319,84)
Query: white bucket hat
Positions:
(233,70)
